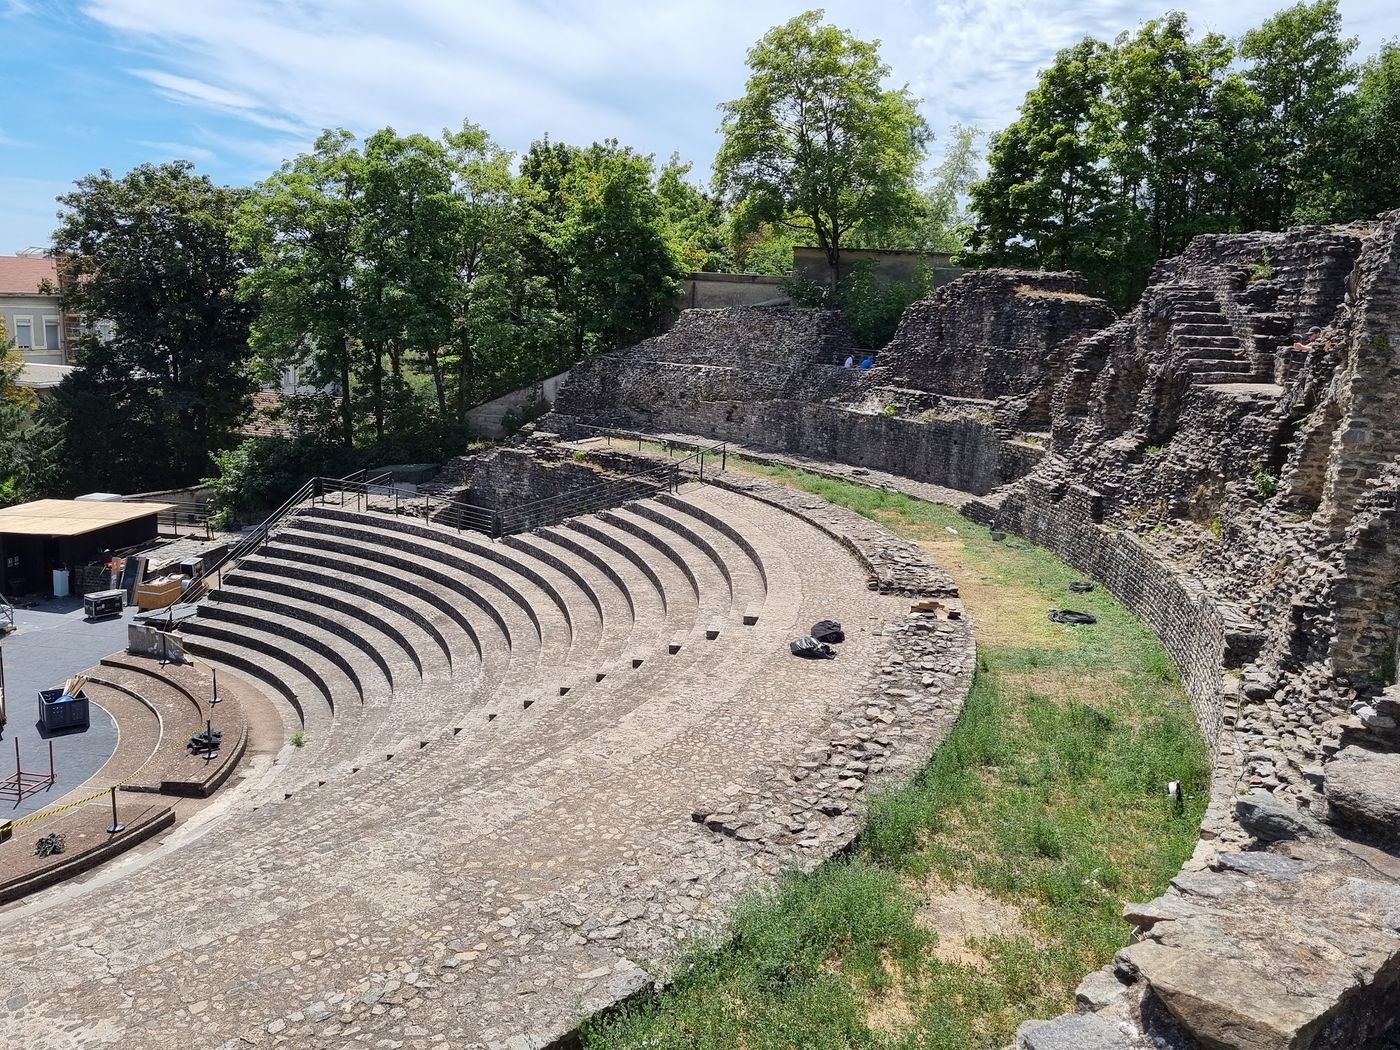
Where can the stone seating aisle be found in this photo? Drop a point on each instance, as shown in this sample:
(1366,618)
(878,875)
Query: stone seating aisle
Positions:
(386,630)
(532,724)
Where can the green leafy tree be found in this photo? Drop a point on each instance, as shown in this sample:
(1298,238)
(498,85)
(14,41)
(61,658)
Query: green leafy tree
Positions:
(767,250)
(1299,65)
(409,245)
(17,405)
(1372,174)
(153,254)
(615,235)
(817,143)
(487,254)
(1155,128)
(546,304)
(695,223)
(944,212)
(1047,199)
(300,226)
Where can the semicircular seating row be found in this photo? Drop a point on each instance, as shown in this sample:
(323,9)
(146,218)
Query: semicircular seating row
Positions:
(382,634)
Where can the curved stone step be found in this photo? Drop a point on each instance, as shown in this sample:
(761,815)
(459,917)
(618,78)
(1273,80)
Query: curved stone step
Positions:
(414,603)
(462,547)
(433,560)
(413,577)
(616,610)
(715,593)
(611,541)
(259,648)
(287,609)
(686,502)
(631,527)
(688,534)
(314,719)
(736,561)
(253,574)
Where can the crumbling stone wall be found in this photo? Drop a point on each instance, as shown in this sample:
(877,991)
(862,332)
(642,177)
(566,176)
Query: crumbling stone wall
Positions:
(774,378)
(1006,334)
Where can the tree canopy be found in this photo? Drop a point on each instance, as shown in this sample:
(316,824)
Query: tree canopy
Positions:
(1123,152)
(817,143)
(392,282)
(151,254)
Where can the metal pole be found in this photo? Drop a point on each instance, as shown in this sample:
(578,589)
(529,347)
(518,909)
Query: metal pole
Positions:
(215,698)
(116,827)
(53,779)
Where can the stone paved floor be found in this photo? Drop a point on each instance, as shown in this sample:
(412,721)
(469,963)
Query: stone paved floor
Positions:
(486,889)
(51,642)
(949,497)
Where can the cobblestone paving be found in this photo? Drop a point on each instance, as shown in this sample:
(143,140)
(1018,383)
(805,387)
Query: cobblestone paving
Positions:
(484,882)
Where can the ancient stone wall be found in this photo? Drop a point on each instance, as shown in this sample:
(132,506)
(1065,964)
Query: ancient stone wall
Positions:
(1005,334)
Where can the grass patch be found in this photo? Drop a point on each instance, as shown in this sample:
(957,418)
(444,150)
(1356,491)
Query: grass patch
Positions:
(1048,795)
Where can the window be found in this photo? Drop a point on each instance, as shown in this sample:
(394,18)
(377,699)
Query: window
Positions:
(51,337)
(24,333)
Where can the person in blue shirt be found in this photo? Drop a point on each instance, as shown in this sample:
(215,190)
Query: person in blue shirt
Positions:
(869,360)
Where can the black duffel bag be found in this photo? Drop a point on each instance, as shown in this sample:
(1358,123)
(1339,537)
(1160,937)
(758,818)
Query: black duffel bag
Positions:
(810,649)
(828,631)
(1070,616)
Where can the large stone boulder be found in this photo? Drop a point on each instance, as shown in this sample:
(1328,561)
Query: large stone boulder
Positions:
(1363,788)
(1269,820)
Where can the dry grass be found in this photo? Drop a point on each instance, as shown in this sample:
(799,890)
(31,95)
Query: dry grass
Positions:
(963,917)
(1027,292)
(888,1010)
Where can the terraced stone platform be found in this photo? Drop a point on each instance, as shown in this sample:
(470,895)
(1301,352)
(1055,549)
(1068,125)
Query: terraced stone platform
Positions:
(530,769)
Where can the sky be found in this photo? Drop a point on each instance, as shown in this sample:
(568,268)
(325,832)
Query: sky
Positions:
(238,86)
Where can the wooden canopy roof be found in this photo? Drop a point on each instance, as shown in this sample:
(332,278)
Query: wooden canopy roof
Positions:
(71,517)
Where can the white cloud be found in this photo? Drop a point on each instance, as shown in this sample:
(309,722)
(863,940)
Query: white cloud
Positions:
(239,85)
(177,150)
(183,89)
(650,74)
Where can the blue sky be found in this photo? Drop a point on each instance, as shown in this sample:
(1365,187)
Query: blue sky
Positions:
(238,85)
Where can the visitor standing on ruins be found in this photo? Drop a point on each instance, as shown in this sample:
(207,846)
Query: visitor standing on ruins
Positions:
(850,360)
(1314,337)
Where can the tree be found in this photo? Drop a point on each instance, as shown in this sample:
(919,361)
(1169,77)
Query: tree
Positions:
(153,254)
(1372,173)
(486,251)
(615,236)
(409,243)
(1299,64)
(943,209)
(1047,198)
(16,409)
(300,226)
(1154,126)
(695,221)
(816,143)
